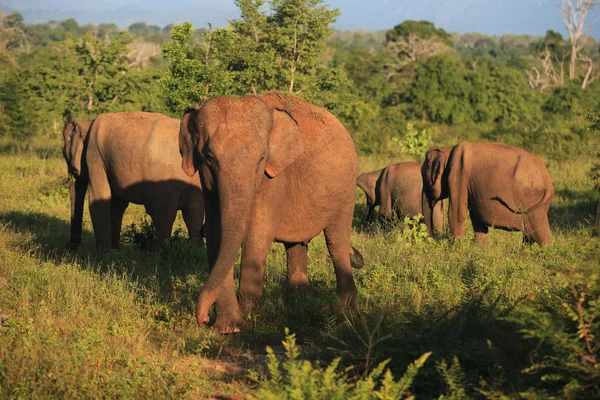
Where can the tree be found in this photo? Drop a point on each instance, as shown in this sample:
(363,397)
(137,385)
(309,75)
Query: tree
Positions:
(551,52)
(414,41)
(574,14)
(263,50)
(12,34)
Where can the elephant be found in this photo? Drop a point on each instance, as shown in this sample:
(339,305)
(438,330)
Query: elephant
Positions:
(502,186)
(74,135)
(400,190)
(274,168)
(397,188)
(133,157)
(369,183)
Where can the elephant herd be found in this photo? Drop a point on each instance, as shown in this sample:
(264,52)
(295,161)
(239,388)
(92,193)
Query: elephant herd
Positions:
(250,171)
(502,186)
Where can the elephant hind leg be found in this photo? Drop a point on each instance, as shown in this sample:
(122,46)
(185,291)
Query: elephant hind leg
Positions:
(481,230)
(100,208)
(193,216)
(537,228)
(337,237)
(163,214)
(117,209)
(297,265)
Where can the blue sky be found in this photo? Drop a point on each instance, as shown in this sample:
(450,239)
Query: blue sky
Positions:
(493,17)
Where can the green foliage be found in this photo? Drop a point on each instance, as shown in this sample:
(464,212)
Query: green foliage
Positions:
(415,142)
(413,230)
(264,50)
(568,355)
(293,378)
(422,29)
(445,91)
(76,79)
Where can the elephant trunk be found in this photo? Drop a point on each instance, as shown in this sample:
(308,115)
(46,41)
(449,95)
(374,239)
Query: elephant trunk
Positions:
(428,213)
(235,203)
(77,191)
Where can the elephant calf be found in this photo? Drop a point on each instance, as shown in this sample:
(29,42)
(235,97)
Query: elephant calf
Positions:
(502,186)
(369,183)
(397,188)
(130,157)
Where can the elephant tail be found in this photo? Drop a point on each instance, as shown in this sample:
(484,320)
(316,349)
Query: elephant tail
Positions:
(356,259)
(543,200)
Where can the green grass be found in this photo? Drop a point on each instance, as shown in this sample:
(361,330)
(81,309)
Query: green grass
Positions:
(122,325)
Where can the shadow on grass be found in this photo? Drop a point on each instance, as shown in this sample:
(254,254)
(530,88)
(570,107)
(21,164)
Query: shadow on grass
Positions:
(578,213)
(175,272)
(488,347)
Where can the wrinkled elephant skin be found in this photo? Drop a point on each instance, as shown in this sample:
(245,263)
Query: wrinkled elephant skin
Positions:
(273,168)
(133,157)
(501,186)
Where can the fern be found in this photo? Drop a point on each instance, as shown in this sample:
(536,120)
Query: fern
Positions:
(297,379)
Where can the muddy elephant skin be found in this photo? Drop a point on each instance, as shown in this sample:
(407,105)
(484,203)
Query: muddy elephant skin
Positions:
(502,186)
(133,157)
(273,168)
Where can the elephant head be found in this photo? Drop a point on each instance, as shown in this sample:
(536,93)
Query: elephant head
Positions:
(74,136)
(369,182)
(435,183)
(236,144)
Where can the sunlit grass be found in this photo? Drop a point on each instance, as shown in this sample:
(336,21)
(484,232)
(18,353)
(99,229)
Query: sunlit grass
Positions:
(123,324)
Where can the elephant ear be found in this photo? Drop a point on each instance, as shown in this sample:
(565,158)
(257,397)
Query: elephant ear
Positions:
(284,142)
(437,162)
(189,164)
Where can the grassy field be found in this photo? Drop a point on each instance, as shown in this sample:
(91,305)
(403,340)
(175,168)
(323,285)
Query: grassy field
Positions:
(123,326)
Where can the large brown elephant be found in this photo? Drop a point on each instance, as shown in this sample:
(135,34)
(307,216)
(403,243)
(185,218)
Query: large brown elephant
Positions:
(502,186)
(74,136)
(273,168)
(400,190)
(131,157)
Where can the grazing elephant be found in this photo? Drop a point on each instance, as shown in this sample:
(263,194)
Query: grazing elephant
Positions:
(273,168)
(400,190)
(502,186)
(74,136)
(369,183)
(133,157)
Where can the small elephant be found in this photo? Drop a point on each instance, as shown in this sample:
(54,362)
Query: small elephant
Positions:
(74,136)
(133,157)
(273,168)
(400,190)
(369,183)
(502,186)
(397,188)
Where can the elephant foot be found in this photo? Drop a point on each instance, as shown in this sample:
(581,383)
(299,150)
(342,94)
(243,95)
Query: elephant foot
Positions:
(228,325)
(349,300)
(72,246)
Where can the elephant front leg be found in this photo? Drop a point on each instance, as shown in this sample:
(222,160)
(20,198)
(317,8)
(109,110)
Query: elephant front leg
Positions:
(297,265)
(229,318)
(457,213)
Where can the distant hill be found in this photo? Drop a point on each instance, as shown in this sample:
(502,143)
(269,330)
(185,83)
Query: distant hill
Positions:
(125,16)
(491,17)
